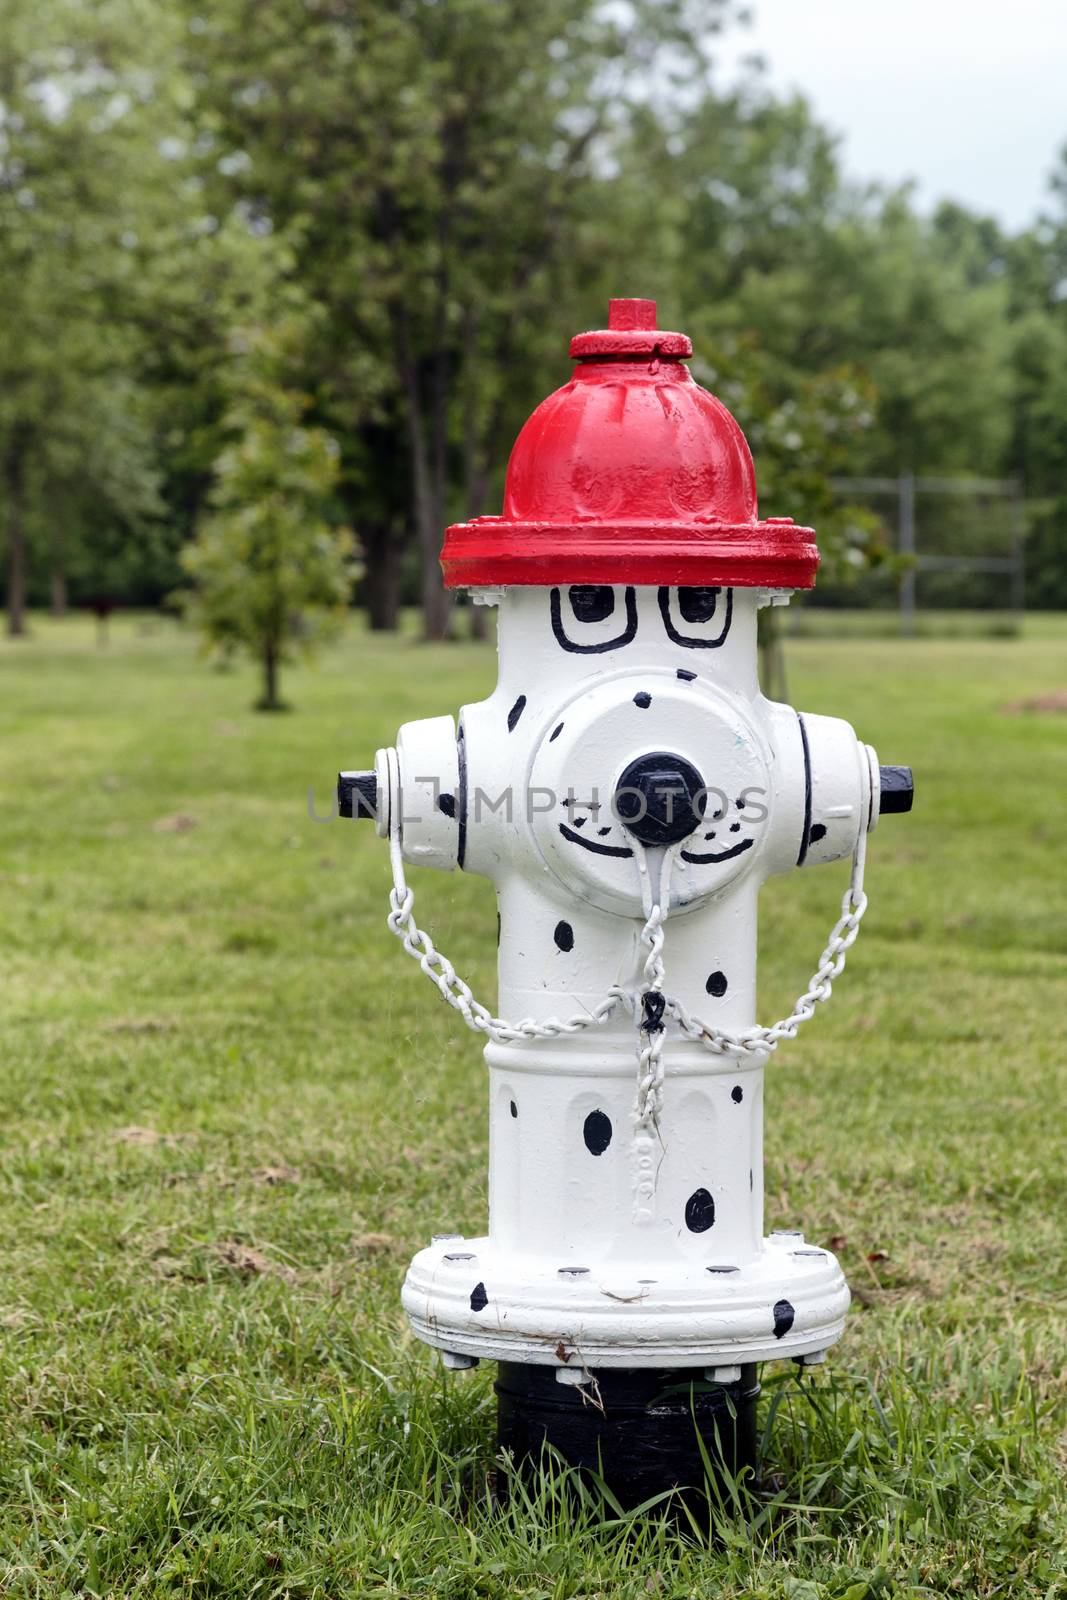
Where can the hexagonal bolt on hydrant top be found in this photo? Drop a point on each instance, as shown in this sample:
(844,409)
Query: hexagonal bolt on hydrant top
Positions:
(627,788)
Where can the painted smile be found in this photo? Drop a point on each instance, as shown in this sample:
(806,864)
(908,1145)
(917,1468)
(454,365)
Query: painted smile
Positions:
(720,855)
(597,849)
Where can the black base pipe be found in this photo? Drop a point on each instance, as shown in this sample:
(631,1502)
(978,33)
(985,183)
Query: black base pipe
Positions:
(637,1429)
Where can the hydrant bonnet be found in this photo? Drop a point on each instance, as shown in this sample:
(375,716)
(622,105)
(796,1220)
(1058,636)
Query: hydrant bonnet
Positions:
(631,473)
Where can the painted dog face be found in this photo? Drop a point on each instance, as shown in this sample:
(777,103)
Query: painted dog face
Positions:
(644,748)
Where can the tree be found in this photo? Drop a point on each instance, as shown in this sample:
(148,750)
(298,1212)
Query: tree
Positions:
(100,526)
(825,278)
(271,572)
(1037,282)
(437,189)
(80,169)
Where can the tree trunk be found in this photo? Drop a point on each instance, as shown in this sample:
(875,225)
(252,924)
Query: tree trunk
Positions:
(58,581)
(383,548)
(475,470)
(270,701)
(428,495)
(17,554)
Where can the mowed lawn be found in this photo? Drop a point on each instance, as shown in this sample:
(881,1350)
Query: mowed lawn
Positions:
(231,1108)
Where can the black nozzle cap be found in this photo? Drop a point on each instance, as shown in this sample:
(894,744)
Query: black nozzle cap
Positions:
(898,789)
(357,794)
(660,798)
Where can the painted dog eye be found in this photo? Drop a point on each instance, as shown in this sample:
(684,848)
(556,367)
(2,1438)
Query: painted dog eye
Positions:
(588,605)
(697,605)
(591,602)
(704,614)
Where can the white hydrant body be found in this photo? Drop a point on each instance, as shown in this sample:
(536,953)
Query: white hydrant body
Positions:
(601,1236)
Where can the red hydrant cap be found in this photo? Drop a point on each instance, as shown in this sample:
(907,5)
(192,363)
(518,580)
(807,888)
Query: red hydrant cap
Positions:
(630,474)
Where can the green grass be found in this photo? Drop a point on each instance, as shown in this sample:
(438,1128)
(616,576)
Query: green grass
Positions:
(231,1110)
(820,622)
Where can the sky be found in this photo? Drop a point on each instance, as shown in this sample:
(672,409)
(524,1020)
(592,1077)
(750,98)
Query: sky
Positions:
(969,97)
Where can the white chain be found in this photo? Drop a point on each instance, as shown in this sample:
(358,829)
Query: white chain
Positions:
(758,1040)
(651,1029)
(641,999)
(441,972)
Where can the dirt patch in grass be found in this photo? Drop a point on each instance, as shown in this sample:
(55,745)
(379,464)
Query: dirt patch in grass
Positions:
(179,822)
(1045,704)
(272,1176)
(250,1263)
(374,1244)
(139,1025)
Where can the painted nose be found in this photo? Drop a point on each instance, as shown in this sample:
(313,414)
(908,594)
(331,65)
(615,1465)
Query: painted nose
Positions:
(660,798)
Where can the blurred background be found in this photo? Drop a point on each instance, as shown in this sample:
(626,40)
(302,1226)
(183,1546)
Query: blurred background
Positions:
(282,281)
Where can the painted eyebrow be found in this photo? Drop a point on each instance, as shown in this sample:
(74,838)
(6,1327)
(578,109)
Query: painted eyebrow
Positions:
(556,611)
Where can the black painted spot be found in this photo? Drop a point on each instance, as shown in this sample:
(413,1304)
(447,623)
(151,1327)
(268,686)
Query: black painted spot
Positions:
(601,832)
(516,712)
(498,930)
(710,835)
(596,1131)
(563,934)
(699,1211)
(735,827)
(783,1318)
(716,985)
(479,1298)
(643,700)
(686,677)
(818,832)
(737,1094)
(447,804)
(580,822)
(514,1109)
(556,731)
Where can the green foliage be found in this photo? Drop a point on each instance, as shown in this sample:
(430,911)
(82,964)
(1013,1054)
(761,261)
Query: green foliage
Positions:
(446,220)
(271,572)
(171,174)
(83,110)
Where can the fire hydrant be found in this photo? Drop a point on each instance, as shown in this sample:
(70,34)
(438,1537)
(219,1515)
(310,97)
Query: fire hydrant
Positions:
(627,788)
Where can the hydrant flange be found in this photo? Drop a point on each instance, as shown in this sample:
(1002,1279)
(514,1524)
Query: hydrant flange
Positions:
(474,1298)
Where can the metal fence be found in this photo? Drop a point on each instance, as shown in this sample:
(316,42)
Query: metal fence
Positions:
(969,542)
